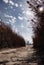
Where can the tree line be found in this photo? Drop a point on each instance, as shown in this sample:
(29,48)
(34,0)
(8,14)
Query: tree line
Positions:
(8,38)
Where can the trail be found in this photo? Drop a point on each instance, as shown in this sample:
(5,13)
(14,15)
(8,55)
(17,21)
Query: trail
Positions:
(18,56)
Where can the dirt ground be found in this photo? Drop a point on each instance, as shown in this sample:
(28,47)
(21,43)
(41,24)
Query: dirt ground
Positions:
(18,56)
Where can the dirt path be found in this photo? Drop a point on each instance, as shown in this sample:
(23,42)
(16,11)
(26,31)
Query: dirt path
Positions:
(18,56)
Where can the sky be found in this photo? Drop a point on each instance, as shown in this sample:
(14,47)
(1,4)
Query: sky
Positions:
(17,15)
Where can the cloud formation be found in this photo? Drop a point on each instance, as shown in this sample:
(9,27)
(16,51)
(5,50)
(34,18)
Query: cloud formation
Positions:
(6,1)
(17,14)
(20,18)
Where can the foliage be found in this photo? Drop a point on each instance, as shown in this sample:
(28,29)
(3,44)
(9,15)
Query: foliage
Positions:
(38,9)
(8,38)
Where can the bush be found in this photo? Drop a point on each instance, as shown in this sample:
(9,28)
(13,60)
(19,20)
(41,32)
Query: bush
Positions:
(8,38)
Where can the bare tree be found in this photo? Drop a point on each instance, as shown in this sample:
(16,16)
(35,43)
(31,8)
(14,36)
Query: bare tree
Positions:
(37,7)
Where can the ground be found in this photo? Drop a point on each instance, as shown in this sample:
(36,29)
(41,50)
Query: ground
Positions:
(18,56)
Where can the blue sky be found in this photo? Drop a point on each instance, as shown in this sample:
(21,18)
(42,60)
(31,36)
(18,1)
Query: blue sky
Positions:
(16,14)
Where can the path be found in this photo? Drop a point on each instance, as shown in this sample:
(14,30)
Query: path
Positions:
(18,56)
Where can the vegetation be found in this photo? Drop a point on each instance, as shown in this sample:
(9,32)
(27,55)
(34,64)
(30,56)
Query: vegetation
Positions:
(38,28)
(38,9)
(8,38)
(39,34)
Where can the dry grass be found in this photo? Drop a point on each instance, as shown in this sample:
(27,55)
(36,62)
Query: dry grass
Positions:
(18,56)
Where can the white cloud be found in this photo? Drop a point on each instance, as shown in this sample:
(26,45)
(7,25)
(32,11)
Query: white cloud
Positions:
(22,26)
(8,16)
(12,20)
(28,12)
(20,5)
(25,18)
(6,1)
(27,37)
(28,24)
(27,29)
(19,17)
(11,7)
(24,12)
(28,15)
(11,2)
(16,4)
(16,30)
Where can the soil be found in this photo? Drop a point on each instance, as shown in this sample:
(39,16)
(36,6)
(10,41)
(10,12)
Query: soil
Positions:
(18,56)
